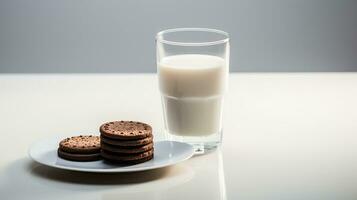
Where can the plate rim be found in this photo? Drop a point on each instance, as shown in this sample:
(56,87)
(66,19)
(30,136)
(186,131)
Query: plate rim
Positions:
(116,170)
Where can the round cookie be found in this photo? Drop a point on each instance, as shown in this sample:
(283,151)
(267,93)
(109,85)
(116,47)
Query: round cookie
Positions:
(128,150)
(78,157)
(127,143)
(132,161)
(119,157)
(81,144)
(125,130)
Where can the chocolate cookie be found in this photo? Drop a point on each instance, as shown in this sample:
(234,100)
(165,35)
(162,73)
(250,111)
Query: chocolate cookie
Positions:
(132,161)
(127,158)
(81,144)
(125,130)
(129,150)
(78,156)
(127,143)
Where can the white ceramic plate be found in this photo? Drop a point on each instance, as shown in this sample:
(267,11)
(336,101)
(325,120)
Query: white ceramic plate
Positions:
(166,153)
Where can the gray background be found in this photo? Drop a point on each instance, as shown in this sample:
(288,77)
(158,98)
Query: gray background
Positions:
(69,36)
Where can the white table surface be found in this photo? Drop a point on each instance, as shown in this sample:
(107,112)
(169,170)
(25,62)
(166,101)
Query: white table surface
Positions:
(286,136)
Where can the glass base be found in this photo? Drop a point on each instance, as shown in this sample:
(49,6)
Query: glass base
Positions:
(201,144)
(203,148)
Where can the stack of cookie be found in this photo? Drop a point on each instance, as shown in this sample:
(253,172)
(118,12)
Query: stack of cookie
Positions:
(126,142)
(80,148)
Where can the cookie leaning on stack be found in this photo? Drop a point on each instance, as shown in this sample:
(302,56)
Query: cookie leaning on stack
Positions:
(126,142)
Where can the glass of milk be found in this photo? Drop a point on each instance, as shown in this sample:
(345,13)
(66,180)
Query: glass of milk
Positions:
(193,68)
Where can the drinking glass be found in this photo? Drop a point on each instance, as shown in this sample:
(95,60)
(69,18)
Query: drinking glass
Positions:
(193,68)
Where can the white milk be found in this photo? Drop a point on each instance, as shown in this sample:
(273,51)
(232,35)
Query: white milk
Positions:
(192,86)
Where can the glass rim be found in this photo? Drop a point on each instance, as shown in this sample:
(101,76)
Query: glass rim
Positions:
(159,37)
